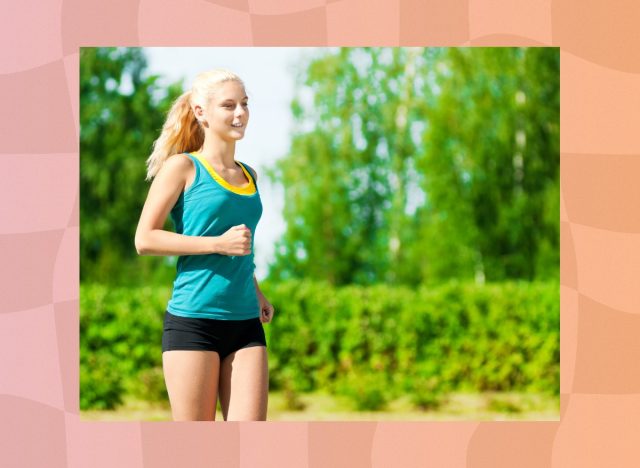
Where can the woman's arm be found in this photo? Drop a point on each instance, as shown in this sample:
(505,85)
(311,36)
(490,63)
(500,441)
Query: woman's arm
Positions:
(255,282)
(165,189)
(266,309)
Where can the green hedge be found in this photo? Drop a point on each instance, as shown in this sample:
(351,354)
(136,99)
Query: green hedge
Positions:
(377,343)
(370,344)
(120,340)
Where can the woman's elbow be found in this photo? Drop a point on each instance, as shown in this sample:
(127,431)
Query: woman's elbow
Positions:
(141,246)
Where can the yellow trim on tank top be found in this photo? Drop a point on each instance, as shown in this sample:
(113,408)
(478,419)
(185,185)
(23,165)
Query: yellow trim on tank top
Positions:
(248,189)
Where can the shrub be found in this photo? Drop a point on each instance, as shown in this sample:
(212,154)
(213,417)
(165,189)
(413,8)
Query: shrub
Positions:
(367,391)
(369,343)
(101,387)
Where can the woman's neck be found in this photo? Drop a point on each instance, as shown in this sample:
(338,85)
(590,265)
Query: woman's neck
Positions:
(219,152)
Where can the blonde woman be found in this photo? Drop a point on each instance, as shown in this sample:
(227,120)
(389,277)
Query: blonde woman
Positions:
(213,341)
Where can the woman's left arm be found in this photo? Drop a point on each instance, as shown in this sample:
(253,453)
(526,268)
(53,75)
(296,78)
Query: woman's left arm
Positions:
(266,309)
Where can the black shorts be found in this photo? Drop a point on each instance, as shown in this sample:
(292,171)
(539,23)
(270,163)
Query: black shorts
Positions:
(222,336)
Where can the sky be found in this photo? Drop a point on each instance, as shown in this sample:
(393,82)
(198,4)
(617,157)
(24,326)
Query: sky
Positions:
(268,74)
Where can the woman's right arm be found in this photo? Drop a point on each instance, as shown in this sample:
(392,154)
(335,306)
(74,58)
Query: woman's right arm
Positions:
(165,190)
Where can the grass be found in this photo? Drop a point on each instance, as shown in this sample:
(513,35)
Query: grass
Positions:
(324,407)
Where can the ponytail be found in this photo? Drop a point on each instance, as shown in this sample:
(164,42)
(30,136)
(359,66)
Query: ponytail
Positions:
(181,132)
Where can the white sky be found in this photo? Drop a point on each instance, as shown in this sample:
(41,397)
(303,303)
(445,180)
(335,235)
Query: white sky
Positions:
(268,74)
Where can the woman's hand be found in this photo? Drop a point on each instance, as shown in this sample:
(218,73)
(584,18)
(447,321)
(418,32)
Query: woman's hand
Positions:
(236,241)
(266,309)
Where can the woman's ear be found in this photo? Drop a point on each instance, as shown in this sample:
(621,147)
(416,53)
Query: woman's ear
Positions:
(199,113)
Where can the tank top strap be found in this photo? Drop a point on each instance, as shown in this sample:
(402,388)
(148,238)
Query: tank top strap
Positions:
(198,166)
(250,171)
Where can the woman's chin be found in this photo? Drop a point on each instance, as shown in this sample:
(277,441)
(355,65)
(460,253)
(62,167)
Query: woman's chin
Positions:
(232,136)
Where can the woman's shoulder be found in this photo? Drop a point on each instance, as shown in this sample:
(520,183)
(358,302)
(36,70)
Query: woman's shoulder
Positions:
(180,160)
(176,169)
(178,163)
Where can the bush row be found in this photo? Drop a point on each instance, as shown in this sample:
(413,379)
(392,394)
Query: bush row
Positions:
(370,344)
(377,343)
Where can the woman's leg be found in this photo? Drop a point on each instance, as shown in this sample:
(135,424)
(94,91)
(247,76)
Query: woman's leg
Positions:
(244,385)
(191,378)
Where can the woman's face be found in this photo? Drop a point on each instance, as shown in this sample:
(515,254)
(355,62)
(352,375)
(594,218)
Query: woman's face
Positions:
(227,114)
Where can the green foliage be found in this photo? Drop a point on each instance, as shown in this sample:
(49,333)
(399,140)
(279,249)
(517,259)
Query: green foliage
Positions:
(491,162)
(122,111)
(425,342)
(413,166)
(371,344)
(367,391)
(120,336)
(427,387)
(100,387)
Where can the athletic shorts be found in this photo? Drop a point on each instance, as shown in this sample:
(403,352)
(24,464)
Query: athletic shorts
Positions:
(222,336)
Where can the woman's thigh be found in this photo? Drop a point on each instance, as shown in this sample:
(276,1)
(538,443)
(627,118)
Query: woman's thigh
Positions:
(244,385)
(191,378)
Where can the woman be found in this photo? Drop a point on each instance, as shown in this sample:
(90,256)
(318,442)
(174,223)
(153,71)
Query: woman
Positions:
(213,342)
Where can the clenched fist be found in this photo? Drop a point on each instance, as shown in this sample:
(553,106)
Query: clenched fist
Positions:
(236,241)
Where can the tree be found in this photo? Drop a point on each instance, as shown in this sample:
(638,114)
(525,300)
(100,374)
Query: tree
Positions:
(491,165)
(122,111)
(412,165)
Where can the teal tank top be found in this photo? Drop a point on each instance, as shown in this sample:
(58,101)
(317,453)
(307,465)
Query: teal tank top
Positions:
(214,285)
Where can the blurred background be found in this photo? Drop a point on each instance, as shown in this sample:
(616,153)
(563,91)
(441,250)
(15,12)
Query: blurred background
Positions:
(409,240)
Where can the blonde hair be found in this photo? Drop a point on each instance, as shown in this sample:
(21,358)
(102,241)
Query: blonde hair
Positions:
(182,131)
